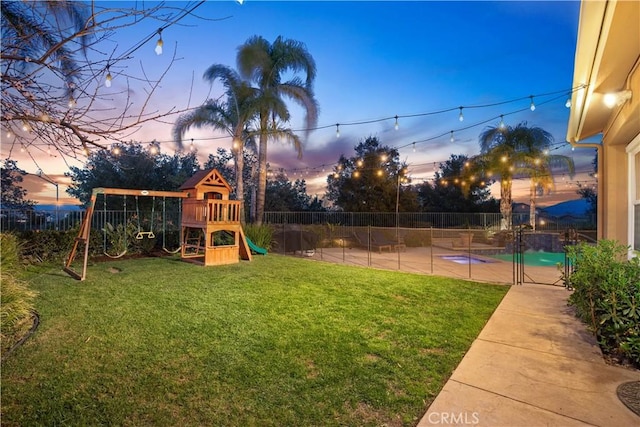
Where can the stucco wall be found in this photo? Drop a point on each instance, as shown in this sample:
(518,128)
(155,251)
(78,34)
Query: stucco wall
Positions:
(614,221)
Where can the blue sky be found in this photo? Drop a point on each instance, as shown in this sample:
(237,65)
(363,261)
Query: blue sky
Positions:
(380,59)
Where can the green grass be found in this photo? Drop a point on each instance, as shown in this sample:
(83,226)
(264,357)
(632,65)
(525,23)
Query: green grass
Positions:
(276,341)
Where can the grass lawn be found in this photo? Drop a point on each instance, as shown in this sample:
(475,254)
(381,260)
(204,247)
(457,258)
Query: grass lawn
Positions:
(276,341)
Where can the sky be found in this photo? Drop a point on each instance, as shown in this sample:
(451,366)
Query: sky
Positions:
(375,61)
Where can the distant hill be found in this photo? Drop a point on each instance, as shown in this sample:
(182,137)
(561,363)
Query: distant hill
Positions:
(577,207)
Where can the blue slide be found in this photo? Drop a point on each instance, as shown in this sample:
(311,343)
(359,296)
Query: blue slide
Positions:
(254,248)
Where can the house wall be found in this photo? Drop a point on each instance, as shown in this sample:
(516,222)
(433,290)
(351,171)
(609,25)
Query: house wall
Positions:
(616,167)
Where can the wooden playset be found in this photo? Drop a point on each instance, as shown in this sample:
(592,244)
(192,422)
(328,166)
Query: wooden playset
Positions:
(210,229)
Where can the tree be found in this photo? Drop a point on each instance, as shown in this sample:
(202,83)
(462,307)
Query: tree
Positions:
(233,116)
(58,60)
(266,64)
(444,195)
(507,151)
(133,166)
(13,195)
(590,194)
(285,196)
(371,181)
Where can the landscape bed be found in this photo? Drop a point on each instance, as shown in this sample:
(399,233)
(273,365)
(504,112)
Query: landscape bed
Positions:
(276,341)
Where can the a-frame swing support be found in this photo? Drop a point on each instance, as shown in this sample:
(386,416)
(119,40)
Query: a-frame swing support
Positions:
(85,226)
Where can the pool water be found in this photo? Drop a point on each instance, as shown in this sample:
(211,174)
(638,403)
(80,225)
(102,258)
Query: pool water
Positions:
(465,259)
(536,259)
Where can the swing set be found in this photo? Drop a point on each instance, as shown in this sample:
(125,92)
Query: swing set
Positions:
(120,232)
(210,228)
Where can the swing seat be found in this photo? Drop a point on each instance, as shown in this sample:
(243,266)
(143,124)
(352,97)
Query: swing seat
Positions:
(149,235)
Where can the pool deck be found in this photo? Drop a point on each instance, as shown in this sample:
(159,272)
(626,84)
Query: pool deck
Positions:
(428,260)
(533,364)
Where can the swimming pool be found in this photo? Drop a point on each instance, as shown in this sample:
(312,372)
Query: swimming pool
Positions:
(465,259)
(536,259)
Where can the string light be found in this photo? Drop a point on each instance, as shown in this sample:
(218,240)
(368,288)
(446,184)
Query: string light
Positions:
(337,130)
(461,116)
(159,43)
(452,138)
(107,80)
(26,127)
(72,101)
(396,125)
(116,151)
(568,103)
(414,147)
(533,105)
(501,125)
(191,147)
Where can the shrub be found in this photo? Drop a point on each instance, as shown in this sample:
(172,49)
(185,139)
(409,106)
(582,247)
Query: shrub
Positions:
(260,235)
(54,246)
(607,296)
(16,300)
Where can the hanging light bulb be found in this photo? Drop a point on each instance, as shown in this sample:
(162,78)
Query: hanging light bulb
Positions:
(107,79)
(396,125)
(359,163)
(461,116)
(22,149)
(191,147)
(72,102)
(337,130)
(159,43)
(9,134)
(568,103)
(153,149)
(501,125)
(414,147)
(26,127)
(116,151)
(49,149)
(533,105)
(452,138)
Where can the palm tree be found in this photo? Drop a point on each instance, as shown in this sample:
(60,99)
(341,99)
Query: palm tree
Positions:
(233,115)
(40,31)
(507,151)
(264,64)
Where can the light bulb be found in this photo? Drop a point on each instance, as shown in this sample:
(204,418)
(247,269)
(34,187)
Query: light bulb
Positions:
(116,151)
(107,80)
(337,130)
(452,138)
(532,106)
(461,116)
(9,134)
(72,102)
(191,147)
(568,103)
(396,125)
(26,127)
(159,43)
(414,147)
(501,125)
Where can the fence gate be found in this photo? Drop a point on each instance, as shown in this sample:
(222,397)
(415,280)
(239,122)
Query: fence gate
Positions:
(541,257)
